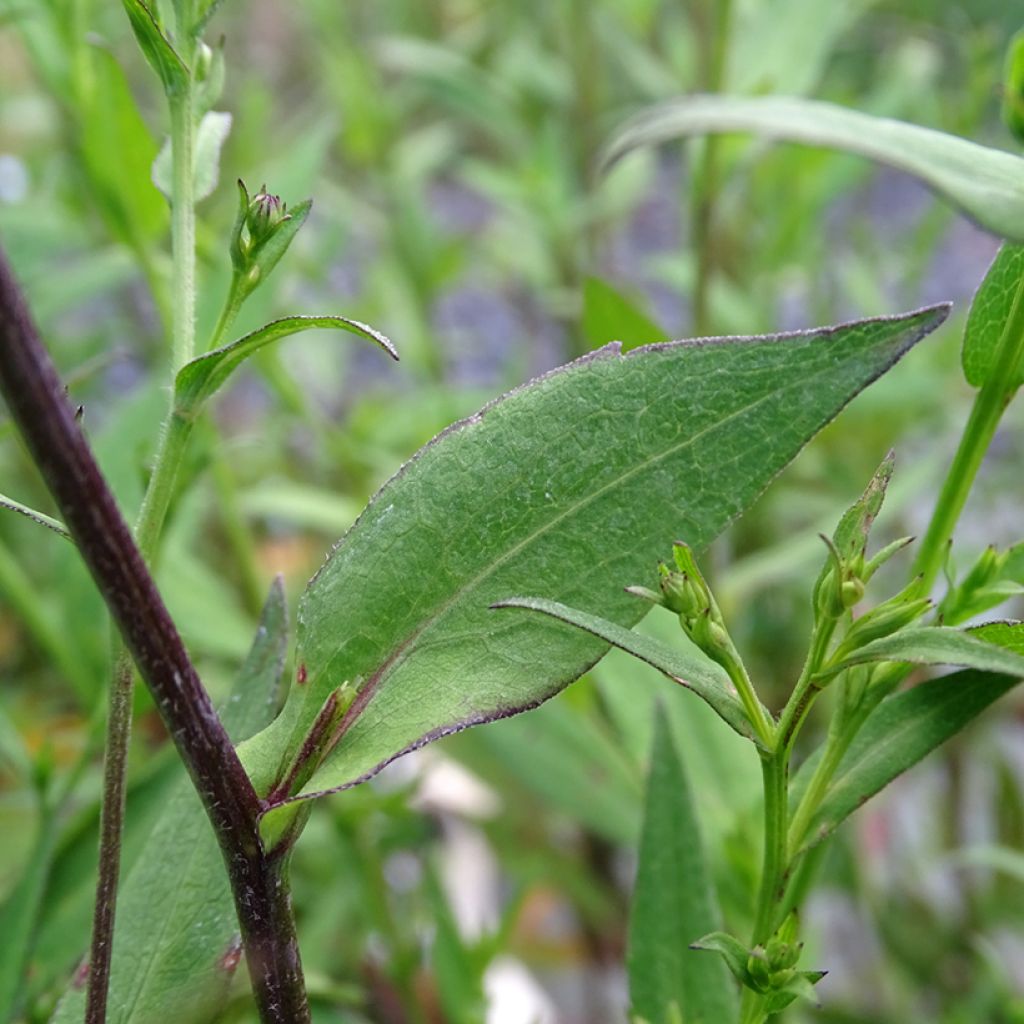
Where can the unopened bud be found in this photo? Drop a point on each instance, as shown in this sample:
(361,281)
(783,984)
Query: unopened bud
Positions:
(265,212)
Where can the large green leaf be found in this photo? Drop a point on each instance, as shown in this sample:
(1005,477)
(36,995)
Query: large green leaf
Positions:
(176,944)
(674,906)
(685,664)
(902,731)
(937,645)
(990,314)
(987,184)
(567,488)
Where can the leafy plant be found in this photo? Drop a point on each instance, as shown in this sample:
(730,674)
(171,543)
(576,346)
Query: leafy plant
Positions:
(565,490)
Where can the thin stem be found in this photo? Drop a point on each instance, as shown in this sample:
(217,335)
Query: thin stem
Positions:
(115,775)
(756,713)
(806,689)
(989,404)
(39,406)
(775,772)
(183,226)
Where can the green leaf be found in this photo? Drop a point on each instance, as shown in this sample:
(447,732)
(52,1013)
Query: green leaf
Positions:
(608,315)
(673,904)
(733,953)
(937,645)
(156,47)
(267,255)
(118,151)
(569,487)
(987,184)
(176,944)
(800,986)
(1005,634)
(201,378)
(37,517)
(685,664)
(902,731)
(210,137)
(19,917)
(990,314)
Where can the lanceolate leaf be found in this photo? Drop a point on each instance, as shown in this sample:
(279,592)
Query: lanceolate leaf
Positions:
(202,377)
(673,906)
(990,314)
(938,645)
(568,488)
(156,47)
(685,664)
(176,944)
(902,731)
(987,184)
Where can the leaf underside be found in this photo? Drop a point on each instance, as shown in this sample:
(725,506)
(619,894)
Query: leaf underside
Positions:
(568,488)
(987,184)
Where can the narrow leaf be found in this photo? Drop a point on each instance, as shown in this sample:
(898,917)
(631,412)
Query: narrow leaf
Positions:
(987,184)
(673,905)
(990,314)
(37,517)
(686,665)
(201,378)
(567,488)
(937,645)
(902,731)
(176,944)
(156,47)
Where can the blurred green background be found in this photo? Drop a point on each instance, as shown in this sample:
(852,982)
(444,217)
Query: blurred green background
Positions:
(451,148)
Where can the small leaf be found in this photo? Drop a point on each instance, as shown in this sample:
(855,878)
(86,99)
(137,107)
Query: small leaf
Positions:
(800,986)
(569,487)
(732,951)
(673,903)
(903,730)
(608,315)
(937,645)
(269,254)
(156,47)
(686,665)
(201,378)
(987,184)
(210,136)
(176,943)
(990,315)
(37,517)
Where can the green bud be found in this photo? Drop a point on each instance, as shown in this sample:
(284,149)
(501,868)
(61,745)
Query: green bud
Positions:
(887,618)
(851,592)
(682,595)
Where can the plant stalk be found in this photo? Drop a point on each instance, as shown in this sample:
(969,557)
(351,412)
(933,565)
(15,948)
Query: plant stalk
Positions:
(39,406)
(989,405)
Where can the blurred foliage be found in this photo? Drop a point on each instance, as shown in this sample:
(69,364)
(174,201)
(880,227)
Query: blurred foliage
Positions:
(450,147)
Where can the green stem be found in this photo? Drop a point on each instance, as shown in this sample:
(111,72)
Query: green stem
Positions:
(989,405)
(775,773)
(806,689)
(183,226)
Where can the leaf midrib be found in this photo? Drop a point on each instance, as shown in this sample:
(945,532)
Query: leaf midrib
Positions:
(403,648)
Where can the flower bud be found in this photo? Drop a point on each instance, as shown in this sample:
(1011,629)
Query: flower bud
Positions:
(265,213)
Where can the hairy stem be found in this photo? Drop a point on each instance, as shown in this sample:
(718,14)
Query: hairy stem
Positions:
(40,408)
